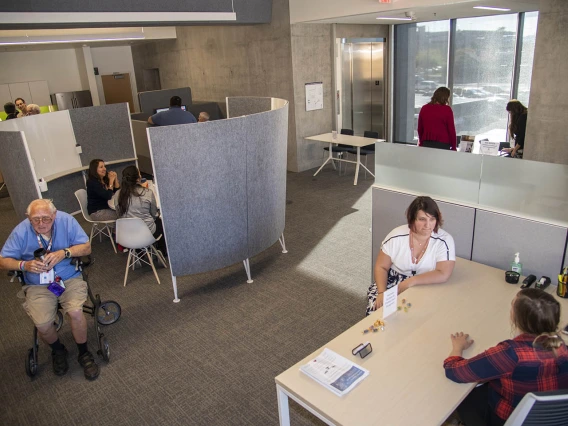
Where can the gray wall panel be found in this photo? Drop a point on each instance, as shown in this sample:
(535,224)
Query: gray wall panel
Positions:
(498,237)
(109,141)
(200,170)
(459,221)
(62,192)
(239,106)
(17,172)
(149,101)
(266,149)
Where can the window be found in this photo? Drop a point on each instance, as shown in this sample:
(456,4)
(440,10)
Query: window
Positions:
(527,55)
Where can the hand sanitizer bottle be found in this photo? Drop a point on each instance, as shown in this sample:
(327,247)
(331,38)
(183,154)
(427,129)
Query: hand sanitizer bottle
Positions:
(516,265)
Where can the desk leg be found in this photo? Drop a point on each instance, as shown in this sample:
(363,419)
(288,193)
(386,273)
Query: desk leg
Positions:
(329,158)
(283,407)
(357,165)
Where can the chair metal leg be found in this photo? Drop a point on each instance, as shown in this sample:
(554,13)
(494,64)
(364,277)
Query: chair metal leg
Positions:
(92,230)
(247,270)
(152,264)
(283,243)
(127,266)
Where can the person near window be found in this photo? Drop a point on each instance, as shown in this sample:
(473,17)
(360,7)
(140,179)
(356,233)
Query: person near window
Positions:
(517,127)
(436,127)
(535,360)
(100,189)
(417,253)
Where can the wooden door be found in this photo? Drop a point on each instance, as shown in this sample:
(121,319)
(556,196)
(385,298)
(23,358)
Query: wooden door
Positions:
(117,89)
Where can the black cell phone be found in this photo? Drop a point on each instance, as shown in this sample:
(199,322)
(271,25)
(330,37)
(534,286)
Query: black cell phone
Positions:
(528,281)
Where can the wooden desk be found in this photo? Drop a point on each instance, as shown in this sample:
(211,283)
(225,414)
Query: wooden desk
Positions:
(407,384)
(354,141)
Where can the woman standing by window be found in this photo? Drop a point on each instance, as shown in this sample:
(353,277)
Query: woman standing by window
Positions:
(517,127)
(436,127)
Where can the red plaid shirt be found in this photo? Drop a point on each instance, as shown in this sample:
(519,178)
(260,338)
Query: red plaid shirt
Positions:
(513,368)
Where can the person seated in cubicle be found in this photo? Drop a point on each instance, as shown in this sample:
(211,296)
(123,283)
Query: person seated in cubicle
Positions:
(203,117)
(174,115)
(135,200)
(535,360)
(417,253)
(33,109)
(21,105)
(10,110)
(100,189)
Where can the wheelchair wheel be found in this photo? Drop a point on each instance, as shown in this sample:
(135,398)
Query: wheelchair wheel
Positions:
(108,313)
(104,350)
(58,321)
(31,364)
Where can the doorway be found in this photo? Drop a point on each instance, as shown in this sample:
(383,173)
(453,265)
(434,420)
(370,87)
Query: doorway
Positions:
(361,85)
(117,89)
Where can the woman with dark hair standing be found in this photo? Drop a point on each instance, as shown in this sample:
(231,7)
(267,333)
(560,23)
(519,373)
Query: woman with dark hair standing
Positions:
(100,188)
(436,127)
(134,200)
(535,360)
(419,252)
(517,127)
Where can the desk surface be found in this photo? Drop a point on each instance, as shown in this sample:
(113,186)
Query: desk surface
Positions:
(344,139)
(407,384)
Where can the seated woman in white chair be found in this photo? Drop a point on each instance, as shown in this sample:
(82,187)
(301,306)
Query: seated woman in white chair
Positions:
(133,199)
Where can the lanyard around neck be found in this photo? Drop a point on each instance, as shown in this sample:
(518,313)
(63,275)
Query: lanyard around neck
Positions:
(41,241)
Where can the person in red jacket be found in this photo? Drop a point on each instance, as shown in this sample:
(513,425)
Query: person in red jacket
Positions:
(436,127)
(535,360)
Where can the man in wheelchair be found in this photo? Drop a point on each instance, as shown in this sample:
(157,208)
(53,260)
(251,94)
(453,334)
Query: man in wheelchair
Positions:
(51,277)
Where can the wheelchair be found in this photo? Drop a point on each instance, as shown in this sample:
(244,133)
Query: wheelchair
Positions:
(103,313)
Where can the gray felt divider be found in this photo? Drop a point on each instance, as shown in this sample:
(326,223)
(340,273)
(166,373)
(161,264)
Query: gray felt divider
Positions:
(161,98)
(18,172)
(103,132)
(239,106)
(62,192)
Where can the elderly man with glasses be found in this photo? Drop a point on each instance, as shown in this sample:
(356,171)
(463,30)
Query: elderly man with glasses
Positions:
(62,238)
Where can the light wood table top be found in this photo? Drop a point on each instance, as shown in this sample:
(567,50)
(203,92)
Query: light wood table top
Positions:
(344,139)
(407,384)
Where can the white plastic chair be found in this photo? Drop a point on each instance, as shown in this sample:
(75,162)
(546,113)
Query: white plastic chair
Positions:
(99,228)
(134,234)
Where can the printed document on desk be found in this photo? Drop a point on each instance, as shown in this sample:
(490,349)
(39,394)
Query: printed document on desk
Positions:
(334,372)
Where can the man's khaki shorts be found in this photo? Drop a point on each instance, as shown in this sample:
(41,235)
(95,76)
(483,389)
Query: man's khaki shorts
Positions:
(41,304)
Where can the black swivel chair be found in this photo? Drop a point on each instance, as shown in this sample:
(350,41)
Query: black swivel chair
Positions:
(340,149)
(368,150)
(541,408)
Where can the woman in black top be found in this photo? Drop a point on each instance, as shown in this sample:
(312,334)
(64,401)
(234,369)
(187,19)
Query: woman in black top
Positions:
(517,127)
(100,188)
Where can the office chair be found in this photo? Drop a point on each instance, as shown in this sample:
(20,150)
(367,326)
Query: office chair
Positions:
(541,408)
(368,150)
(340,149)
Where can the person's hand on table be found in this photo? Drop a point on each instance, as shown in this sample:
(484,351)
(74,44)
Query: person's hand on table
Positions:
(507,150)
(405,285)
(460,342)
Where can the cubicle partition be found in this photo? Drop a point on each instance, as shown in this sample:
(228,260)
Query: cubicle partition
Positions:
(60,145)
(492,206)
(246,105)
(149,101)
(222,187)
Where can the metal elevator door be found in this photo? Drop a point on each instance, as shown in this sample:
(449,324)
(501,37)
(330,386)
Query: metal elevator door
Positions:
(363,99)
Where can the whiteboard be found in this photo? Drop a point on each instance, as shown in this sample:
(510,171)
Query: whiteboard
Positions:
(314,96)
(51,141)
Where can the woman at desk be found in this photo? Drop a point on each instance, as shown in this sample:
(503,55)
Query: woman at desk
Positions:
(135,200)
(517,127)
(533,361)
(100,188)
(436,127)
(417,253)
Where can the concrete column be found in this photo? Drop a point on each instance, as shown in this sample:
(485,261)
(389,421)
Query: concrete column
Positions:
(90,71)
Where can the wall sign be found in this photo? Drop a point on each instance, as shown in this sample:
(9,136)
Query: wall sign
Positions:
(314,96)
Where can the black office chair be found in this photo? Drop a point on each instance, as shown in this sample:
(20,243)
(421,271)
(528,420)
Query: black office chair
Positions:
(541,408)
(368,150)
(340,149)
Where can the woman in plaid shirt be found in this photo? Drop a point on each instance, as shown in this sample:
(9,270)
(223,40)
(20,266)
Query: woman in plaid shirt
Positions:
(535,360)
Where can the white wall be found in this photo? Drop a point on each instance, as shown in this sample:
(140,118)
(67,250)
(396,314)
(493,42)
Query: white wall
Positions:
(58,67)
(115,59)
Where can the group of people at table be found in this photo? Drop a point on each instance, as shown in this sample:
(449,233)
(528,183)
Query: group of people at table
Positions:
(536,359)
(436,128)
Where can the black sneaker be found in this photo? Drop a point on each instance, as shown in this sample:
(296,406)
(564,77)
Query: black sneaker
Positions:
(60,364)
(90,368)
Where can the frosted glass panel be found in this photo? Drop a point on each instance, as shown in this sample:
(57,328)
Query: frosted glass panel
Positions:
(433,172)
(529,188)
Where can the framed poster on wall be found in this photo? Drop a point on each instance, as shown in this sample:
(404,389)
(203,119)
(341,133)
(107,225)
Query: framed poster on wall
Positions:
(314,96)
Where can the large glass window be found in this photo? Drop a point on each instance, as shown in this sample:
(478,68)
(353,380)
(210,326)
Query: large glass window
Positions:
(527,55)
(421,66)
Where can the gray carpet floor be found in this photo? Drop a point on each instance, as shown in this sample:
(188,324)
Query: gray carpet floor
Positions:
(210,359)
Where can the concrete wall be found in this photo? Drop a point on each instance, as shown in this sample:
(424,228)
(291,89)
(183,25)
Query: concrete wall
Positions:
(221,61)
(547,127)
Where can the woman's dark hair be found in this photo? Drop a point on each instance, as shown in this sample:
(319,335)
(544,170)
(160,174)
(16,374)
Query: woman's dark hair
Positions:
(93,166)
(516,109)
(441,96)
(428,206)
(128,188)
(538,313)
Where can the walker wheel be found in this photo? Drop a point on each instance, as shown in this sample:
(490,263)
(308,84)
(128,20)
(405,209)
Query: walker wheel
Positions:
(104,350)
(108,313)
(31,364)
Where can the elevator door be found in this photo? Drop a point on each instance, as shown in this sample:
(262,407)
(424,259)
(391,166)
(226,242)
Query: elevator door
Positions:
(362,85)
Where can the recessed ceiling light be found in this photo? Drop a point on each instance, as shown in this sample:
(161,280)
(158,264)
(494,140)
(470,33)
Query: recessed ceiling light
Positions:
(395,19)
(499,9)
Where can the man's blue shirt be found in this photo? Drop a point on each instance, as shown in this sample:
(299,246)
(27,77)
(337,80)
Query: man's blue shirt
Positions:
(22,242)
(175,115)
